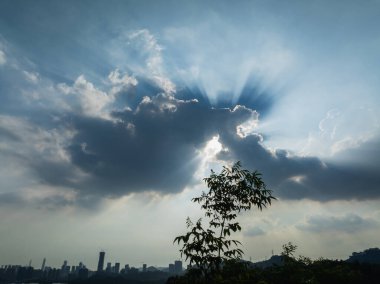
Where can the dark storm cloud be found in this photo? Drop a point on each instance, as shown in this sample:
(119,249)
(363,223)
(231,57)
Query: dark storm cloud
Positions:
(154,144)
(294,177)
(355,175)
(334,182)
(349,223)
(276,166)
(153,147)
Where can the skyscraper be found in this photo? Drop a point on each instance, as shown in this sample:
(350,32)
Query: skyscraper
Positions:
(101,261)
(117,267)
(171,268)
(43,264)
(178,266)
(109,267)
(64,265)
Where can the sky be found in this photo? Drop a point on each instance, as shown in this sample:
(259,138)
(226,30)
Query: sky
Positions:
(113,112)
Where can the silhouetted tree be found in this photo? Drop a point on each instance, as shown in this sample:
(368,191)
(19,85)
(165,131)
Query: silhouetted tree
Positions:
(230,192)
(288,250)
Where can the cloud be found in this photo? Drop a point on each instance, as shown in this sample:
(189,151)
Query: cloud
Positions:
(143,45)
(44,201)
(131,132)
(354,174)
(340,131)
(31,76)
(92,101)
(29,149)
(6,134)
(117,79)
(83,97)
(3,58)
(254,232)
(350,223)
(298,177)
(10,199)
(155,147)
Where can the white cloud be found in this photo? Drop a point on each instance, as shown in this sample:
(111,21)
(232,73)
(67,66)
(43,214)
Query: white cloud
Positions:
(146,44)
(32,77)
(248,127)
(93,102)
(30,140)
(120,82)
(341,130)
(116,78)
(22,145)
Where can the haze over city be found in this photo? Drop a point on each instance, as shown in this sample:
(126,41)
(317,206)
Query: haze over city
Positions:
(113,112)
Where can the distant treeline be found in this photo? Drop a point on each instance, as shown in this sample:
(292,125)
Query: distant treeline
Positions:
(140,278)
(291,271)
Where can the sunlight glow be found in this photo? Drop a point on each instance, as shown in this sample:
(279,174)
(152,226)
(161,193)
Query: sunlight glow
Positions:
(207,157)
(213,147)
(298,179)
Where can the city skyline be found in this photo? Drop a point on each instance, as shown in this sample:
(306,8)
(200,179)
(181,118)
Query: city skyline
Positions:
(113,112)
(68,273)
(101,267)
(365,262)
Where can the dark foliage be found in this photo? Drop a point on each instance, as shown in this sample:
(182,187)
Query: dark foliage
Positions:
(140,278)
(294,271)
(230,192)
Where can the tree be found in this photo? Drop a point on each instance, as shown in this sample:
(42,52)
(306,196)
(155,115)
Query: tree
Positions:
(288,250)
(230,192)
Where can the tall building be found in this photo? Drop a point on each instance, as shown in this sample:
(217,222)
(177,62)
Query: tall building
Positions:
(43,264)
(178,266)
(65,270)
(144,267)
(64,265)
(109,267)
(101,261)
(171,268)
(117,267)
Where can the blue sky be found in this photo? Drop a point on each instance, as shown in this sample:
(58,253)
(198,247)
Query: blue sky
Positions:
(113,111)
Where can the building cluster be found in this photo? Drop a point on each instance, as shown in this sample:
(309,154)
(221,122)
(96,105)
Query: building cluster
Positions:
(114,269)
(175,268)
(18,273)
